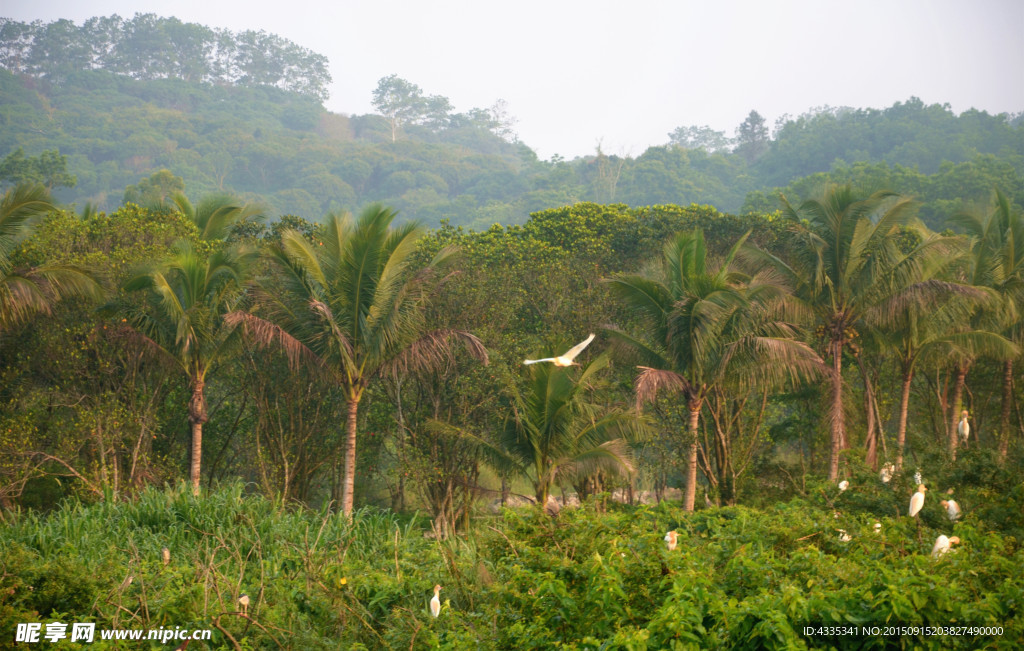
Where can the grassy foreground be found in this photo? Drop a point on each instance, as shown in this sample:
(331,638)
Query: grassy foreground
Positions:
(741,578)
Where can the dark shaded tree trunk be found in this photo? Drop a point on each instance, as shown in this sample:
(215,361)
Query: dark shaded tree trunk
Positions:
(1004,416)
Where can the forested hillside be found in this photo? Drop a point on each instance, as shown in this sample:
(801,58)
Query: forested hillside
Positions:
(123,99)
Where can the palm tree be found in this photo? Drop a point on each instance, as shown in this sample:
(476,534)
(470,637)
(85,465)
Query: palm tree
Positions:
(353,305)
(556,435)
(702,327)
(996,261)
(935,332)
(182,317)
(27,291)
(845,261)
(216,214)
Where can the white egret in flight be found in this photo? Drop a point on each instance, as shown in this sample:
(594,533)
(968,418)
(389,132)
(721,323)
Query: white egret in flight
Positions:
(566,359)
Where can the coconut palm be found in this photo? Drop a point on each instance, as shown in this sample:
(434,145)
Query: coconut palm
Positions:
(845,261)
(555,434)
(936,334)
(703,327)
(352,305)
(996,261)
(185,299)
(27,291)
(216,214)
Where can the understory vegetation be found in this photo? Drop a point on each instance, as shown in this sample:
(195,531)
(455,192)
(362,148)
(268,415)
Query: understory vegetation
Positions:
(598,576)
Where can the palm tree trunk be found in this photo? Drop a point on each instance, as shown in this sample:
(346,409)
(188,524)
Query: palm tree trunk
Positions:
(958,393)
(348,487)
(871,440)
(901,435)
(838,429)
(1004,417)
(196,417)
(197,454)
(689,497)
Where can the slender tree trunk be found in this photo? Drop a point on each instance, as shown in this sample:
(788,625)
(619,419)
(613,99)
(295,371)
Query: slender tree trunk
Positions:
(689,497)
(901,434)
(1004,417)
(838,429)
(871,440)
(958,394)
(348,488)
(196,416)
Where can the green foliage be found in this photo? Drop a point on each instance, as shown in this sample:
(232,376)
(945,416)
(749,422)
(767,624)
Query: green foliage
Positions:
(740,578)
(49,169)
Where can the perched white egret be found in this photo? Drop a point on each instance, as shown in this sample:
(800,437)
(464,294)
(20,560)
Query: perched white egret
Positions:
(952,509)
(878,527)
(165,555)
(942,544)
(435,602)
(843,485)
(886,473)
(243,601)
(963,428)
(671,540)
(917,500)
(566,359)
(843,536)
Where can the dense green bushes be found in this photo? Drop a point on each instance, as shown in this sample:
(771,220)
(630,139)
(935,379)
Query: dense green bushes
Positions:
(741,578)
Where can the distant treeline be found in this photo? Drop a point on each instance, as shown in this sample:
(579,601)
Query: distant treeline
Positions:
(129,104)
(151,47)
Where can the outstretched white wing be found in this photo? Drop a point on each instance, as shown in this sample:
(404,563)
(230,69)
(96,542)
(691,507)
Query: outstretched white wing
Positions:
(578,348)
(538,361)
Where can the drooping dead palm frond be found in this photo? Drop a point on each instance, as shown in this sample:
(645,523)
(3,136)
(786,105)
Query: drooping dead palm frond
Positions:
(433,350)
(652,381)
(270,335)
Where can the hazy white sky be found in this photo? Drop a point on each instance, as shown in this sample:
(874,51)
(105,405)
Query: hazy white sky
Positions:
(576,72)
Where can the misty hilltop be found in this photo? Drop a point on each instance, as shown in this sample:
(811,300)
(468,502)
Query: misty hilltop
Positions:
(242,113)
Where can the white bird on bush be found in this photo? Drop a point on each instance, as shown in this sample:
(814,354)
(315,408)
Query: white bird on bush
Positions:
(843,536)
(942,544)
(878,527)
(243,601)
(566,359)
(671,540)
(843,485)
(917,500)
(435,602)
(952,509)
(886,473)
(963,428)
